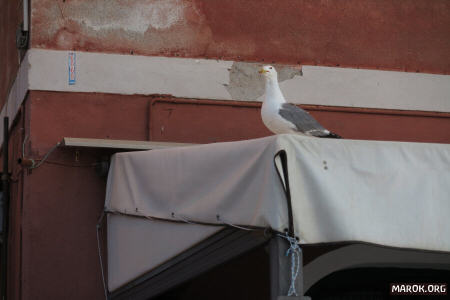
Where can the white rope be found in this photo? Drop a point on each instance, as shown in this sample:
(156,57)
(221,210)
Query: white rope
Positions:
(233,225)
(295,251)
(185,220)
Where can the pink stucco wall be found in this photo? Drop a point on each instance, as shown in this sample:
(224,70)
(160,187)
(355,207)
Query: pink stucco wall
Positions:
(410,35)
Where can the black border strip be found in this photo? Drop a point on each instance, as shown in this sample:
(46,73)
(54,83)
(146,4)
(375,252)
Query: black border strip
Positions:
(287,191)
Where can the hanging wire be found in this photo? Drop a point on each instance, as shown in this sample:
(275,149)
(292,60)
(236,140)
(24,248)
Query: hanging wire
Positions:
(23,151)
(58,163)
(46,156)
(99,226)
(233,225)
(23,145)
(183,219)
(44,159)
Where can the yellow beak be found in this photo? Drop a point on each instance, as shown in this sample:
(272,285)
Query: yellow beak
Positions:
(262,71)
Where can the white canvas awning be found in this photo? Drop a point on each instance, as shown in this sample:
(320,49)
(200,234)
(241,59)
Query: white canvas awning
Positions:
(387,193)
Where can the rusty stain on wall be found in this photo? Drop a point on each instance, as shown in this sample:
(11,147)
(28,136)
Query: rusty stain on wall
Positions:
(387,34)
(160,27)
(137,18)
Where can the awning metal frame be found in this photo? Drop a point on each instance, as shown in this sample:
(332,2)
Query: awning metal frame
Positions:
(119,144)
(220,248)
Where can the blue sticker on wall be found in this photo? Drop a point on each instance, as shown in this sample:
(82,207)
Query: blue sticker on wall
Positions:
(72,70)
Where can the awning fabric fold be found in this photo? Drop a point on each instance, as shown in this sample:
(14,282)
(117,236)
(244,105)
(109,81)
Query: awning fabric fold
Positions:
(388,193)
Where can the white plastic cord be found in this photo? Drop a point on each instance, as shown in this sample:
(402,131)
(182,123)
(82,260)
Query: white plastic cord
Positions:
(295,251)
(233,225)
(185,220)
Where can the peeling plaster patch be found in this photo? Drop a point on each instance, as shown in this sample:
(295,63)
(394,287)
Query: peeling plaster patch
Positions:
(132,16)
(141,27)
(247,84)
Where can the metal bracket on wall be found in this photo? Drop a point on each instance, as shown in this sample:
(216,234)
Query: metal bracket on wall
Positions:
(21,37)
(102,166)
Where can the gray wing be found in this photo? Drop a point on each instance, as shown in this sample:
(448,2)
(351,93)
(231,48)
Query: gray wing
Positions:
(302,120)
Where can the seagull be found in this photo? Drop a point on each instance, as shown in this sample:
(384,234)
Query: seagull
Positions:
(282,117)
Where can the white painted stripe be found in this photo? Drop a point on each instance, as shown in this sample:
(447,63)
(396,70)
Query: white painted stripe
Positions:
(207,79)
(130,74)
(47,70)
(211,79)
(370,88)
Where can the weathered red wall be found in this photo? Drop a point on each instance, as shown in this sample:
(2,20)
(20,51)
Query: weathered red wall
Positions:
(203,121)
(10,18)
(56,206)
(136,117)
(63,198)
(55,115)
(17,133)
(411,35)
(62,202)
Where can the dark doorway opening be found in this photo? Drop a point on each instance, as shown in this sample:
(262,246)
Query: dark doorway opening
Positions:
(245,277)
(374,283)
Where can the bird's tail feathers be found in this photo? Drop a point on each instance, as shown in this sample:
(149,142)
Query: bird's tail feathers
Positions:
(331,135)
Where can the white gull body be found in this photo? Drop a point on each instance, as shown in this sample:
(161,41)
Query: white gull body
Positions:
(282,117)
(271,106)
